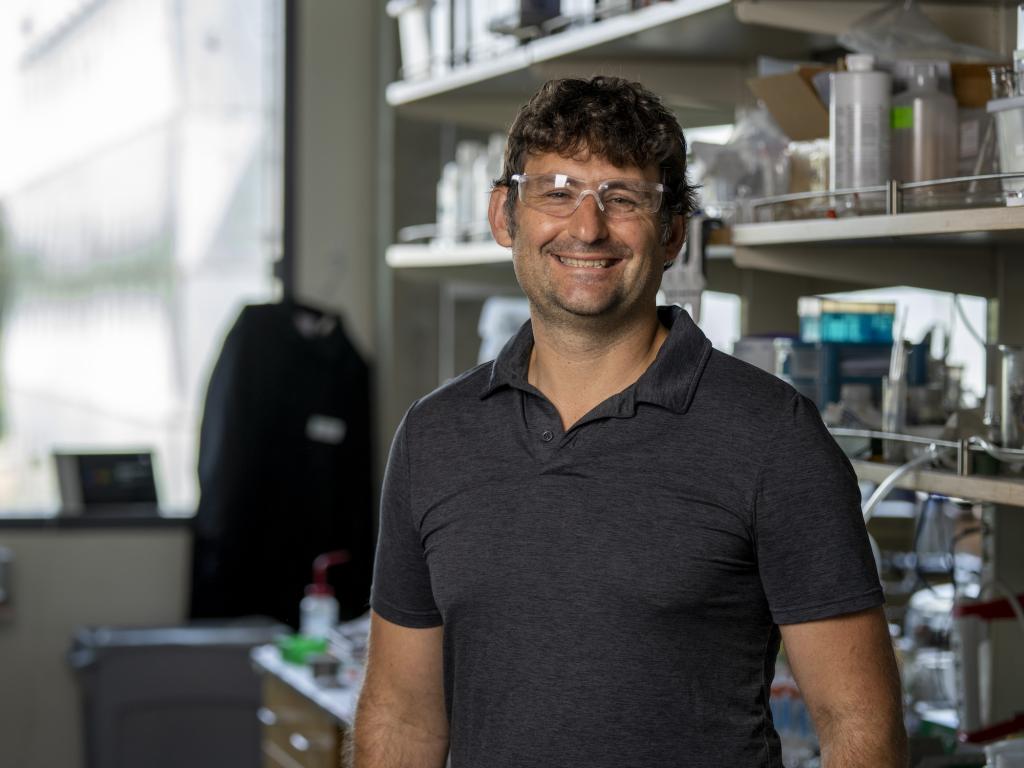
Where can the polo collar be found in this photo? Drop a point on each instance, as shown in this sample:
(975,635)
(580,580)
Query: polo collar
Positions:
(670,381)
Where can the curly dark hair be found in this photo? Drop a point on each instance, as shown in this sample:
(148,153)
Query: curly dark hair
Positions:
(611,117)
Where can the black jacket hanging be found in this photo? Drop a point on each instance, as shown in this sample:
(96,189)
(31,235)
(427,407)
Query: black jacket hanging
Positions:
(284,467)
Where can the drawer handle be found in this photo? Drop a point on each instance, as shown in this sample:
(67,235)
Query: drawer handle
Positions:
(299,742)
(266,716)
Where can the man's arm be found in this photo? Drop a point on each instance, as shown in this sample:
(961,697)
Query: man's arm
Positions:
(401,720)
(847,673)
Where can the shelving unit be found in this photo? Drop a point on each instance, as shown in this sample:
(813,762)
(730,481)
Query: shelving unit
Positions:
(674,47)
(697,54)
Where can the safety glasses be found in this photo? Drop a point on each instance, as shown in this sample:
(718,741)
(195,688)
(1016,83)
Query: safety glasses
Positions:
(557,194)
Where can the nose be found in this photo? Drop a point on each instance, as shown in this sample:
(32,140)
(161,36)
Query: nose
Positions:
(587,222)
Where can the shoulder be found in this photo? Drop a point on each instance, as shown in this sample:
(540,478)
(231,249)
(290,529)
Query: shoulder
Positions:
(755,411)
(744,387)
(758,412)
(256,314)
(255,323)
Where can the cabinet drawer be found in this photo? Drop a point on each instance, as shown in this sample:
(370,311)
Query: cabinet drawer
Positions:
(297,733)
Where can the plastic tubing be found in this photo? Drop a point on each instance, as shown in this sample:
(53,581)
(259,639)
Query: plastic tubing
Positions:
(886,486)
(325,561)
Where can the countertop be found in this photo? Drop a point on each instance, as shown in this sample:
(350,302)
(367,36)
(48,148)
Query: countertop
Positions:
(340,702)
(137,518)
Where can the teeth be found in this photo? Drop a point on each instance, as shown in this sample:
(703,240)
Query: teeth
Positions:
(593,263)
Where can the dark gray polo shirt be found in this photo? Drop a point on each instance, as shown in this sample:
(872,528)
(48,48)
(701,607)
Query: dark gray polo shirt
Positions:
(610,594)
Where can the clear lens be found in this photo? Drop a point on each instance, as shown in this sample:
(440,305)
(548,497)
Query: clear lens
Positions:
(559,195)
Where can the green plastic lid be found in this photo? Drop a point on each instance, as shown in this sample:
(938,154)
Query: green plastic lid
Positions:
(298,648)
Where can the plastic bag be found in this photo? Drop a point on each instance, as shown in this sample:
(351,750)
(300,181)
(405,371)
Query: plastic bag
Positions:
(752,164)
(902,31)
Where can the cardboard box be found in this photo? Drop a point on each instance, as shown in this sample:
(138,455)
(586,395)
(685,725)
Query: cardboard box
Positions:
(972,84)
(793,103)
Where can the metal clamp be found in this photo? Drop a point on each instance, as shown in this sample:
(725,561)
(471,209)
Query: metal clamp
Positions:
(893,204)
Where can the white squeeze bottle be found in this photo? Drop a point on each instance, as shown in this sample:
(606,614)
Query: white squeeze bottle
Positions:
(859,124)
(318,610)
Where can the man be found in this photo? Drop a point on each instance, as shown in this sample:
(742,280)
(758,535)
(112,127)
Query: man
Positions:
(589,548)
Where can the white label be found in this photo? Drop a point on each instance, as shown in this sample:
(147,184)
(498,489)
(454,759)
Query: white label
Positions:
(326,429)
(861,146)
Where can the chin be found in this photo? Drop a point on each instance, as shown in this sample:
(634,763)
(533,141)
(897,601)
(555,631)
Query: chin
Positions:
(604,308)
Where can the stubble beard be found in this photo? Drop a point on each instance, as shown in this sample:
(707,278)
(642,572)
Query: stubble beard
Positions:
(550,304)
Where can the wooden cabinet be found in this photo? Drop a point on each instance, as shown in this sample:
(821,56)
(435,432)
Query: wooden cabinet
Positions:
(296,733)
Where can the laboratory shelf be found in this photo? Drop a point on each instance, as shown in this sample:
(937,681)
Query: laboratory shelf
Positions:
(674,47)
(405,256)
(972,225)
(958,251)
(436,255)
(994,490)
(697,54)
(980,227)
(550,47)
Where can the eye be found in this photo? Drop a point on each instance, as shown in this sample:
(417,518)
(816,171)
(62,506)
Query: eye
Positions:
(621,201)
(557,194)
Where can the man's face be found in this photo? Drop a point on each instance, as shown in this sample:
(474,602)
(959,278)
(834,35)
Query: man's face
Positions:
(586,265)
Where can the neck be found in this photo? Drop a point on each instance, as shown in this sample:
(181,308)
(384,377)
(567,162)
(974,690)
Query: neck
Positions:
(578,368)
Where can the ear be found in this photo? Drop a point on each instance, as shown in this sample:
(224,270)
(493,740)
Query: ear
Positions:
(676,238)
(497,218)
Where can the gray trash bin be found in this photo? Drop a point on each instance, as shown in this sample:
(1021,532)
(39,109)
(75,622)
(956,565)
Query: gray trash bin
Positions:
(171,697)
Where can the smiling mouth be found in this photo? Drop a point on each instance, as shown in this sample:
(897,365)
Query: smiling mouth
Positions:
(588,263)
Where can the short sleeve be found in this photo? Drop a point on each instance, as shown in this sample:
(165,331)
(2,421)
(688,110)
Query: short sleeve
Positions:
(401,591)
(812,546)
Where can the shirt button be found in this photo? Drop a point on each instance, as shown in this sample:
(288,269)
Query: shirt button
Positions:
(547,435)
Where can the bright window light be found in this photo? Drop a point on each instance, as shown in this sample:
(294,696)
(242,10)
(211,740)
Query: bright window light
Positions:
(140,208)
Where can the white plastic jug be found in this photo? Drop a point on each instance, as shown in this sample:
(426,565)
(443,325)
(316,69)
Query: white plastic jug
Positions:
(1009,117)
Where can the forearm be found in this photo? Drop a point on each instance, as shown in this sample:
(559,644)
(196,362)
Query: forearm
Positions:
(863,740)
(383,738)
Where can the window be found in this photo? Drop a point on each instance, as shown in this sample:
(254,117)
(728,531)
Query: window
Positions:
(140,208)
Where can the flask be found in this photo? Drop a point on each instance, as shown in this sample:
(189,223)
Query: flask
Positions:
(859,125)
(1011,396)
(924,128)
(984,464)
(990,419)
